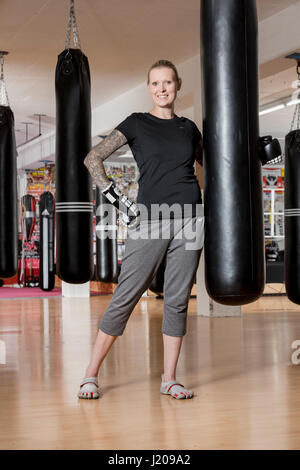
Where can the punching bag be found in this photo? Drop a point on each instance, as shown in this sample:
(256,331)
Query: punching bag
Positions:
(106,240)
(157,283)
(233,198)
(8,195)
(28,205)
(74,197)
(292,216)
(47,273)
(28,220)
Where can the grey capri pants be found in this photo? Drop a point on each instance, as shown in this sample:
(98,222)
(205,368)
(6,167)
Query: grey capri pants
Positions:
(181,240)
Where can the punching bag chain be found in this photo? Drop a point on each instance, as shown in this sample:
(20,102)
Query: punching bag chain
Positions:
(297,107)
(3,92)
(72,22)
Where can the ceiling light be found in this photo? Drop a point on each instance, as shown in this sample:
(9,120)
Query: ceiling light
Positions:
(292,102)
(272,109)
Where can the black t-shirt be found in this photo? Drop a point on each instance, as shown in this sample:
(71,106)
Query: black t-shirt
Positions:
(164,150)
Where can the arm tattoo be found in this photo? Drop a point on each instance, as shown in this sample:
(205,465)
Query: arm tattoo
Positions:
(199,152)
(94,159)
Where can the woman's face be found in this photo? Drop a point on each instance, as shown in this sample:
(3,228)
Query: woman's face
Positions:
(163,86)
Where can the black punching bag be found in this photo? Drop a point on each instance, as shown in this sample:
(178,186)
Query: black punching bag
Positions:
(292,216)
(8,195)
(233,200)
(74,195)
(47,273)
(106,240)
(28,206)
(157,283)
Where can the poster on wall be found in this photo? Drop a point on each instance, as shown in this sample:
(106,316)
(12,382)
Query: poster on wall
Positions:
(273,191)
(125,175)
(273,177)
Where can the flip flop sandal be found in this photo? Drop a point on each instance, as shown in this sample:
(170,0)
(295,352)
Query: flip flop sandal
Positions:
(89,388)
(175,389)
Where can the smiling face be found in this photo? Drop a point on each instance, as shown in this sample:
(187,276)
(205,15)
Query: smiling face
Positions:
(163,86)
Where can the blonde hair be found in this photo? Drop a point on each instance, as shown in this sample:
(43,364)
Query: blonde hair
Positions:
(163,63)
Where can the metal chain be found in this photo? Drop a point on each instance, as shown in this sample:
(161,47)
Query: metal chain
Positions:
(296,114)
(297,107)
(73,24)
(3,91)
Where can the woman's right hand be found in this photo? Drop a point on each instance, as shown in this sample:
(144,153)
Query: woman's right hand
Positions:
(130,213)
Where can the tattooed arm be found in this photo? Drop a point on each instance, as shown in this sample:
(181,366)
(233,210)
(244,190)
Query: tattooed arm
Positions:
(94,163)
(94,159)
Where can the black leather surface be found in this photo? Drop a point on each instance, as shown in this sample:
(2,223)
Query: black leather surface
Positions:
(157,283)
(292,216)
(269,149)
(275,272)
(8,195)
(233,199)
(28,205)
(106,246)
(47,272)
(74,229)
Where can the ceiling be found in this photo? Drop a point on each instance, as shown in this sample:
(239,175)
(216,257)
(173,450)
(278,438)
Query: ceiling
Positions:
(120,37)
(266,8)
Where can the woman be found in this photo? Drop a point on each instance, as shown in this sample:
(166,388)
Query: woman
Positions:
(165,147)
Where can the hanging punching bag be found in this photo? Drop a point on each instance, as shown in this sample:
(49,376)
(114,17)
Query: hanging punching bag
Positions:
(74,197)
(47,273)
(157,283)
(234,237)
(28,220)
(106,241)
(28,205)
(8,195)
(292,216)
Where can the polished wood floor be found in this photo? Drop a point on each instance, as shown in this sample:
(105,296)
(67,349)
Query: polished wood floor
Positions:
(246,387)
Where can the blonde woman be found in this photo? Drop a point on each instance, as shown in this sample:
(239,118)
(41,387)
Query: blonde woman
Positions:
(165,147)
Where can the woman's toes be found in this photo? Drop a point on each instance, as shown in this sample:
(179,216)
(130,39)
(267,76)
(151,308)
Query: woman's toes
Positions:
(89,389)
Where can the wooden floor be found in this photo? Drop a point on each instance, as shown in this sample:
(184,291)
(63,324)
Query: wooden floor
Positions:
(246,387)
